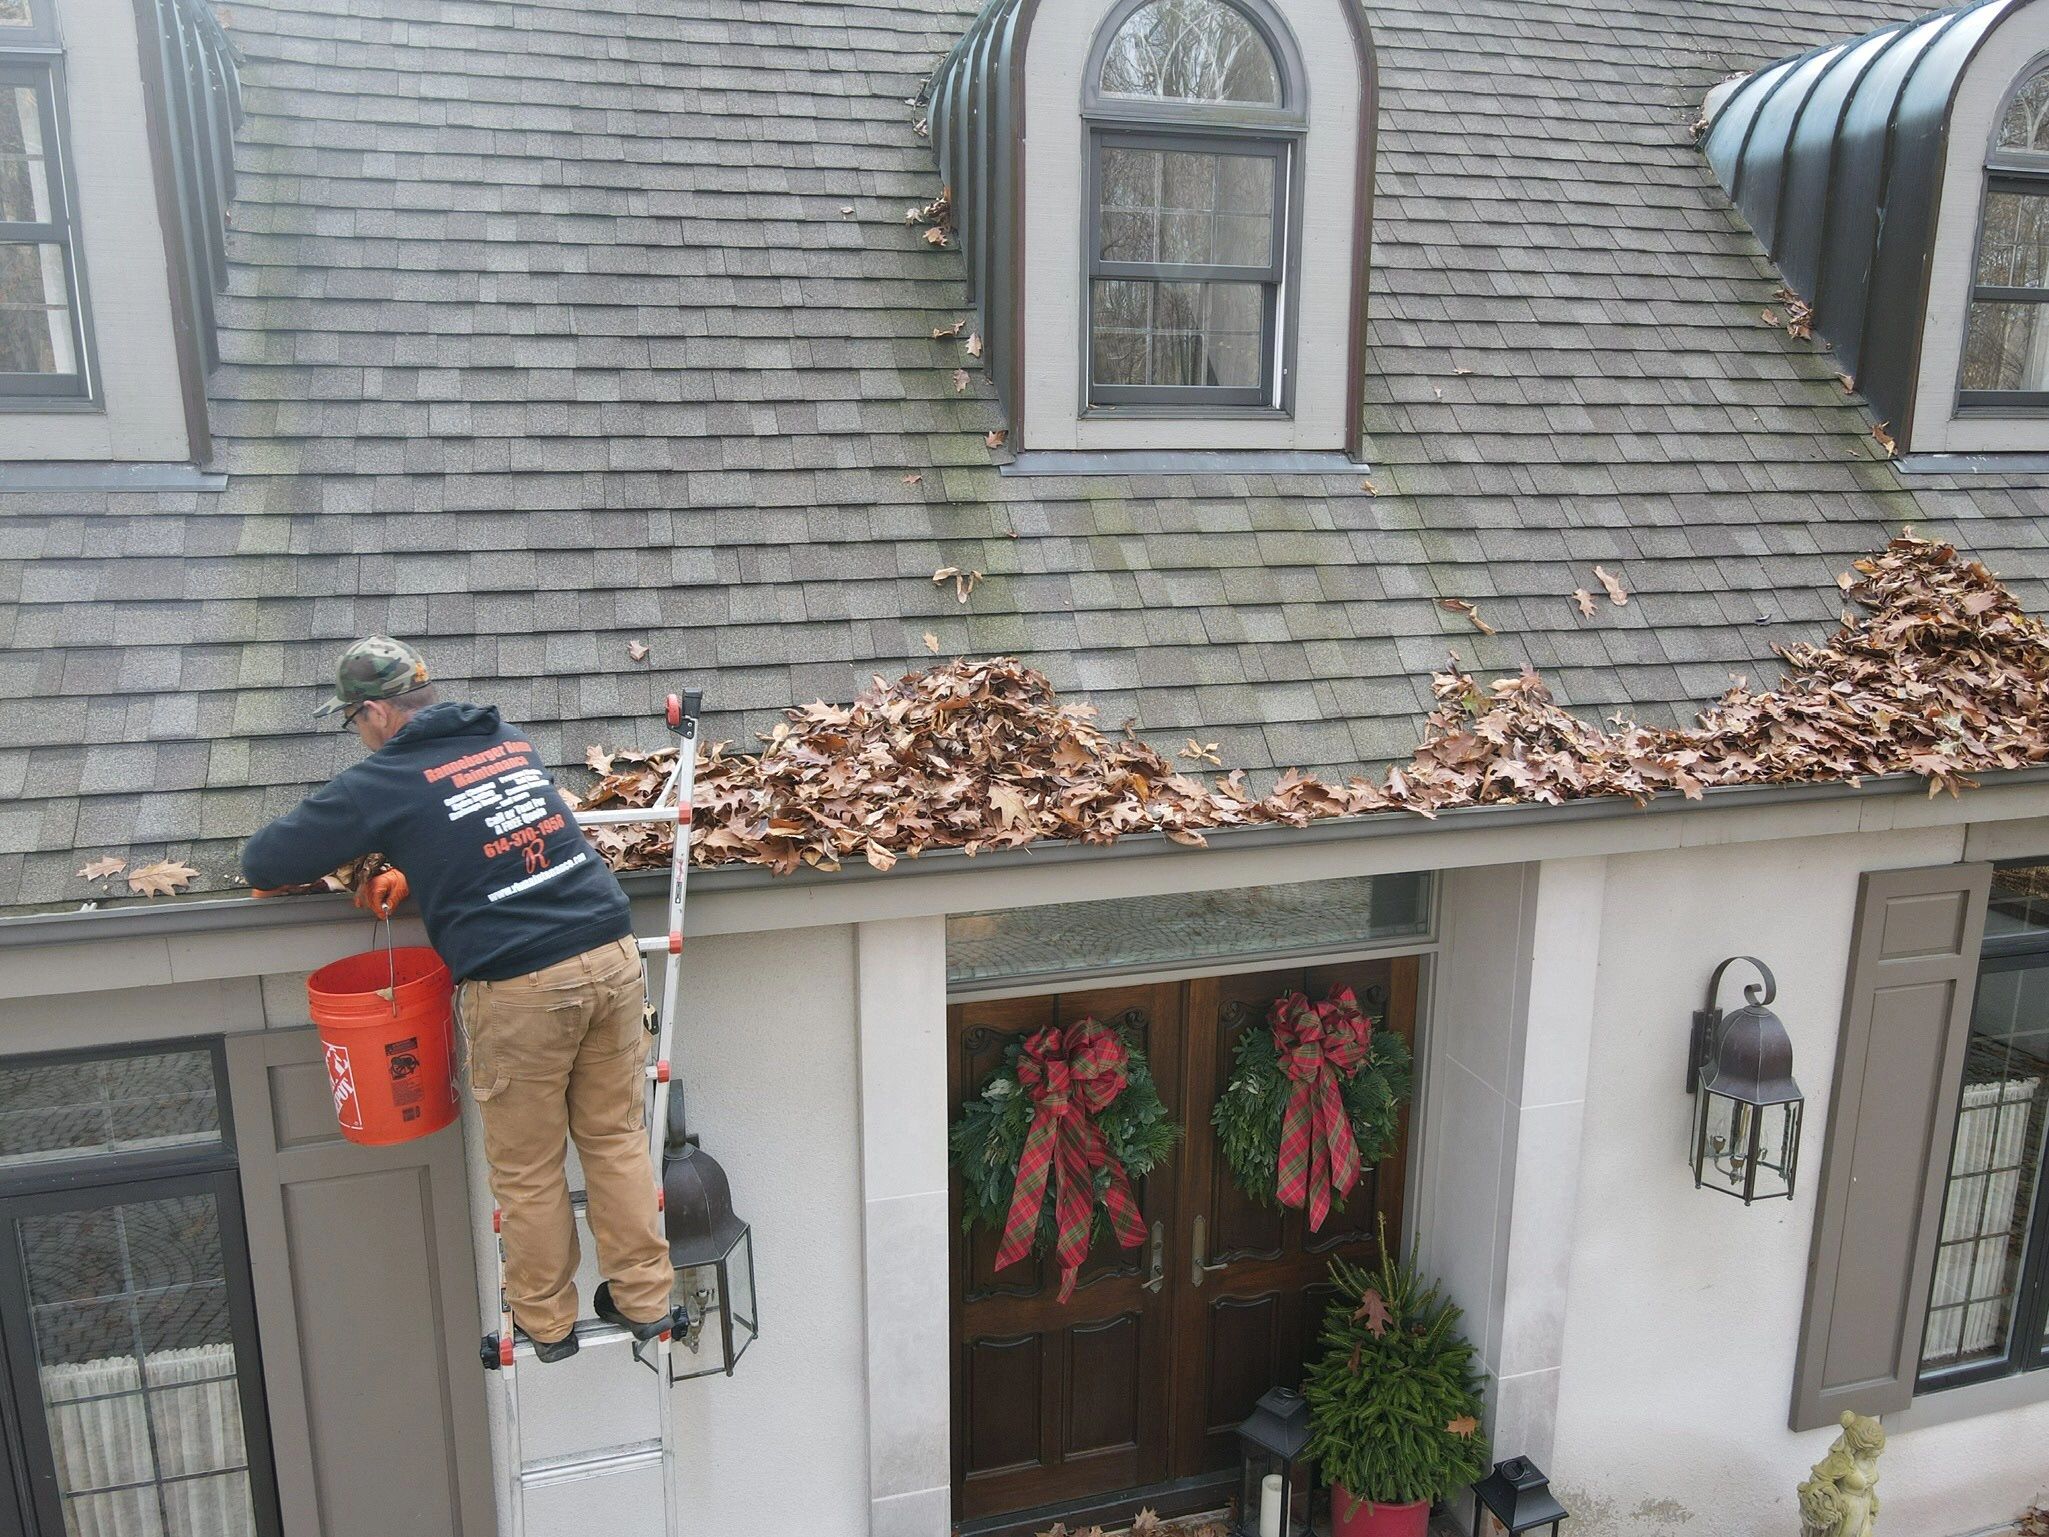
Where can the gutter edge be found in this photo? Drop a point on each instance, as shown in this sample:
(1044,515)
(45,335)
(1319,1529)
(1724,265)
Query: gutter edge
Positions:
(209,914)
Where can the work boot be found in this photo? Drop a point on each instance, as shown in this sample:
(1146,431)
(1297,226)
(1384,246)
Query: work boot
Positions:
(555,1350)
(601,1304)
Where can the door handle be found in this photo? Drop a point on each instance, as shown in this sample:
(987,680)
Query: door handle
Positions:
(1197,1269)
(1156,1272)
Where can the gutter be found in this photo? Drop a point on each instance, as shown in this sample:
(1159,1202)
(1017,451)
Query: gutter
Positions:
(249,915)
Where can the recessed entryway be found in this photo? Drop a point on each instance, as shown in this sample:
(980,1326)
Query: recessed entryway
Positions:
(1127,1395)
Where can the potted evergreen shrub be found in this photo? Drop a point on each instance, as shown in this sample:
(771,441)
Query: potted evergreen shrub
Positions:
(1394,1401)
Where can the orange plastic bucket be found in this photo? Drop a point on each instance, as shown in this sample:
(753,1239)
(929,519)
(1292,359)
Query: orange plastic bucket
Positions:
(386,1020)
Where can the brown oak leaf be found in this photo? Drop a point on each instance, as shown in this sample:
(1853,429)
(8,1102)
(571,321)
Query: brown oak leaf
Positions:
(944,333)
(1465,1425)
(975,344)
(931,642)
(164,878)
(636,650)
(1884,438)
(998,438)
(1201,752)
(912,480)
(1613,583)
(1461,606)
(960,380)
(100,869)
(1585,600)
(1372,1311)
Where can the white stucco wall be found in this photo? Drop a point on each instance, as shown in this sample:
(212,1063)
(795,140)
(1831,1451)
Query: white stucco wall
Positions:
(1684,1307)
(140,414)
(1055,62)
(766,1046)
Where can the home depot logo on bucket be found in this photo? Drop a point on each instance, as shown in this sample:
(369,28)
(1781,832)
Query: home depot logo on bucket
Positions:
(341,1076)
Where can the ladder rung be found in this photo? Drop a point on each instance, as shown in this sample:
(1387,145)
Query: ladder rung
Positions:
(588,1331)
(598,1464)
(637,814)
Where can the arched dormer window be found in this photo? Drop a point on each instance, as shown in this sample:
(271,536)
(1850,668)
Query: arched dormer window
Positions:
(1196,117)
(2006,342)
(1174,259)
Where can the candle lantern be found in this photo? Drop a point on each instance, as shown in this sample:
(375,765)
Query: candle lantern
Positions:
(1515,1498)
(1746,1121)
(1273,1485)
(713,1252)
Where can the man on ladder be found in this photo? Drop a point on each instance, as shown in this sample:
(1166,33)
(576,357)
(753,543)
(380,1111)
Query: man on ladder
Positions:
(535,929)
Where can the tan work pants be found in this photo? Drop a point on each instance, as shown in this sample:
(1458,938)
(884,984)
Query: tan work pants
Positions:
(558,1053)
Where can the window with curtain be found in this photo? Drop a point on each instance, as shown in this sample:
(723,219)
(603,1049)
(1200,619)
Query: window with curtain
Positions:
(2006,340)
(43,339)
(1988,1307)
(125,1305)
(1195,131)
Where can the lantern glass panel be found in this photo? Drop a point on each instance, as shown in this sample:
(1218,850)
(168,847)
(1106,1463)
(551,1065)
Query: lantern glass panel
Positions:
(718,1298)
(1745,1150)
(1279,1509)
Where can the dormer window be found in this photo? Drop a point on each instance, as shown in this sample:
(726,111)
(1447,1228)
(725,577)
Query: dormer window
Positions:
(1191,148)
(1174,258)
(2006,345)
(1900,181)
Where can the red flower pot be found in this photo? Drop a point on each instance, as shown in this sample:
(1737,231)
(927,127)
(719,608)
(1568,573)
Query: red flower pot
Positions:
(1363,1518)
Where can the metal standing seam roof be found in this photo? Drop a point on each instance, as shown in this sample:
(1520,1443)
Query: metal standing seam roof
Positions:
(974,124)
(1835,157)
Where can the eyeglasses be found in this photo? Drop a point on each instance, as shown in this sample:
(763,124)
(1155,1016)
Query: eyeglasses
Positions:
(350,713)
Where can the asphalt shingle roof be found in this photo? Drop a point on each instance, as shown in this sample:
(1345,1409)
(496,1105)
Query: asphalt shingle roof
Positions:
(545,332)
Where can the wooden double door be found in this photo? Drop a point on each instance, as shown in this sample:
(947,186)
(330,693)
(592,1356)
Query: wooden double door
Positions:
(1130,1393)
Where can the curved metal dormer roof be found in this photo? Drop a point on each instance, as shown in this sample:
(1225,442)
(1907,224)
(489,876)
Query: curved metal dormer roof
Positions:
(975,120)
(1835,157)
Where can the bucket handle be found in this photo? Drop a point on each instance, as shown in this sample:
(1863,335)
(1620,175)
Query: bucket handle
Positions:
(390,957)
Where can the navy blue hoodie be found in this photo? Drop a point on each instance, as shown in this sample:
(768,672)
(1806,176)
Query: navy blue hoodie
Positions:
(506,881)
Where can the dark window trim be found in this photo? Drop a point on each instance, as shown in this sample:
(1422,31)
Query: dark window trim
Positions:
(43,73)
(1273,277)
(2028,1334)
(2024,173)
(1280,45)
(90,1169)
(41,28)
(1181,124)
(40,1503)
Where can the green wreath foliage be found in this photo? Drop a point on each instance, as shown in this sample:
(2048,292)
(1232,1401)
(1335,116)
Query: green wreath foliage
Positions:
(1249,1112)
(989,1137)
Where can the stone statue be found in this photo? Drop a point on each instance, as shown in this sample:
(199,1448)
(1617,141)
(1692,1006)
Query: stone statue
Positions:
(1840,1497)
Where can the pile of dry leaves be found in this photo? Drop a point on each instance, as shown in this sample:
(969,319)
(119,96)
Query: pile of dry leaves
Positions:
(1944,677)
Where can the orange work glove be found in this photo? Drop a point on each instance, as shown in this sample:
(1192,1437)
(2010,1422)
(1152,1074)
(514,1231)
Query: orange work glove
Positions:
(382,893)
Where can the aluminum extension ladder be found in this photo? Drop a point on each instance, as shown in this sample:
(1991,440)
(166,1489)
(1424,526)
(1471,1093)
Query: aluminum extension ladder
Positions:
(503,1351)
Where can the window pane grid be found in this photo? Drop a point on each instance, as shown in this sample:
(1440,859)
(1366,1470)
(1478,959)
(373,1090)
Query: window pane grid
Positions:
(1192,51)
(1981,1300)
(136,1359)
(145,1102)
(1186,268)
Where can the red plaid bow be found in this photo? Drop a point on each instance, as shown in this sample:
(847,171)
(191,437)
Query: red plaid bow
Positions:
(1320,1044)
(1072,1075)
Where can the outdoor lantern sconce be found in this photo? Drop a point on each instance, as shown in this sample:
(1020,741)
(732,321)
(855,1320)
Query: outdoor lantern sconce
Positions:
(1746,1118)
(713,1252)
(1273,1484)
(1517,1498)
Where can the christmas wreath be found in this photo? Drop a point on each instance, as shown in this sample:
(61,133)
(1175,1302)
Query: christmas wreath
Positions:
(1047,1151)
(1313,1099)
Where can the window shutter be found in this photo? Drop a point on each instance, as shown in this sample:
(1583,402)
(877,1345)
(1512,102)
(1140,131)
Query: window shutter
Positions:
(1899,1059)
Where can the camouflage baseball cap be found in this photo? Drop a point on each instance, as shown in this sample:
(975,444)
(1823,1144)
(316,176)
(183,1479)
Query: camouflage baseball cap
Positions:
(377,667)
